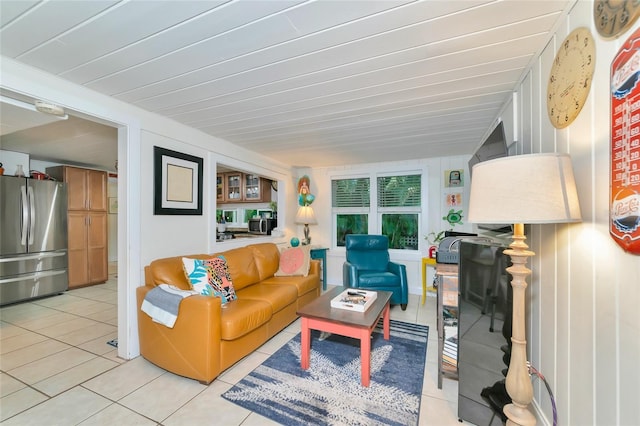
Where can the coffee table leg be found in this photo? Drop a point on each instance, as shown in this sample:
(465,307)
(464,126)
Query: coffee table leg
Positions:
(365,357)
(385,321)
(305,341)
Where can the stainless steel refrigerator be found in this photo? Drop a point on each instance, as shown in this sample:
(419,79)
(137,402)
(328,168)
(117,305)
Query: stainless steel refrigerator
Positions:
(33,238)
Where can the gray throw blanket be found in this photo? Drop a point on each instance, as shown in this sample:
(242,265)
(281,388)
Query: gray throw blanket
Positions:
(162,303)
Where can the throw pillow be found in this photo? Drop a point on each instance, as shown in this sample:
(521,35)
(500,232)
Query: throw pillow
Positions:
(220,279)
(197,275)
(210,277)
(294,261)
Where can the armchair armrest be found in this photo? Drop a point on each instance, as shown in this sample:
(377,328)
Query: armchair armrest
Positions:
(192,347)
(349,275)
(401,271)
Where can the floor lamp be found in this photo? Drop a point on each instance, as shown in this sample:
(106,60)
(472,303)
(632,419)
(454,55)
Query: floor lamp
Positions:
(523,189)
(306,217)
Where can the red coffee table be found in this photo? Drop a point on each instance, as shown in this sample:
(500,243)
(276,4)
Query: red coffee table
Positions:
(319,315)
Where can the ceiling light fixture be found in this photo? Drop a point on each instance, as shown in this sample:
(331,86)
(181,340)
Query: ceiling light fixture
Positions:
(49,108)
(40,106)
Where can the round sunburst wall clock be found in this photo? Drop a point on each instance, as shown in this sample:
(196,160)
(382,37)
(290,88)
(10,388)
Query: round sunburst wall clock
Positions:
(570,77)
(614,17)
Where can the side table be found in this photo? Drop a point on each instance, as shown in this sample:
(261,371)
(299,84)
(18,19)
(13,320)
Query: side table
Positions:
(426,261)
(321,254)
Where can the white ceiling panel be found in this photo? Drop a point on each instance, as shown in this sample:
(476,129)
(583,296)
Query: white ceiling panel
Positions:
(323,61)
(357,87)
(44,22)
(9,10)
(205,26)
(302,48)
(309,82)
(381,70)
(87,42)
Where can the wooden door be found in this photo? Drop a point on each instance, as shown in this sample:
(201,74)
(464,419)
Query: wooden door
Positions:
(220,191)
(233,187)
(77,248)
(97,247)
(97,190)
(76,180)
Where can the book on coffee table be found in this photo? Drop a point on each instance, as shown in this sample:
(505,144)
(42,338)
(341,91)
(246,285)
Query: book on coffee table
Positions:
(354,300)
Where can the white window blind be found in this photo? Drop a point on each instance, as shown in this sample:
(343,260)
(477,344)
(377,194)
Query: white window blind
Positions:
(350,192)
(399,191)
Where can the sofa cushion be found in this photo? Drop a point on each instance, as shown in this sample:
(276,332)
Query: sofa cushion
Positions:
(303,285)
(277,295)
(242,267)
(294,261)
(267,258)
(242,316)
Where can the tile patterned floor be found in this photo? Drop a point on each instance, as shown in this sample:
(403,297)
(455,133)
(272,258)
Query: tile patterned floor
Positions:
(57,369)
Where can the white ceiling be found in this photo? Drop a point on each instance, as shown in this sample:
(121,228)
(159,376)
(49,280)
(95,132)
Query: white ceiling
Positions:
(310,83)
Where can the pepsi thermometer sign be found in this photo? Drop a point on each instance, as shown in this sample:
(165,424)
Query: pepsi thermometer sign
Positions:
(624,213)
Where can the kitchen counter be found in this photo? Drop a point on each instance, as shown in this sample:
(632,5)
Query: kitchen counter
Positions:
(232,235)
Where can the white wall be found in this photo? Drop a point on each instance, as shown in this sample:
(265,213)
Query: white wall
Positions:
(583,313)
(10,161)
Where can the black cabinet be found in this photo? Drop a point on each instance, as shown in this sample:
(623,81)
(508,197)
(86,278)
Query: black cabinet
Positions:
(484,332)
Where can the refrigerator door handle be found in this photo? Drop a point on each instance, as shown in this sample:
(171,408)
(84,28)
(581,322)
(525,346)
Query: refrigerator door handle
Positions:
(32,212)
(34,276)
(36,256)
(25,215)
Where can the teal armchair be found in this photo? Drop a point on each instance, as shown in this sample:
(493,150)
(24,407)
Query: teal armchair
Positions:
(368,267)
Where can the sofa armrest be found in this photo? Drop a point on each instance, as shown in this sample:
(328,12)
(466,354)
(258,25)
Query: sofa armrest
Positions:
(314,267)
(192,347)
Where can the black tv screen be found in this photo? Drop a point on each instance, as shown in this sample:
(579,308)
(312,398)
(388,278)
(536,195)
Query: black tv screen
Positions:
(495,146)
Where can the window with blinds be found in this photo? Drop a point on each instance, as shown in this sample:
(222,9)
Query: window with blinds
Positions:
(393,209)
(351,199)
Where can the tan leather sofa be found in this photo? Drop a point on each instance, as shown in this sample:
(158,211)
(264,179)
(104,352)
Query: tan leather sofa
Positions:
(207,338)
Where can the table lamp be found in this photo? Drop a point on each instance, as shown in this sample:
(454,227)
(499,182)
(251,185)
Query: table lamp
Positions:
(522,189)
(306,217)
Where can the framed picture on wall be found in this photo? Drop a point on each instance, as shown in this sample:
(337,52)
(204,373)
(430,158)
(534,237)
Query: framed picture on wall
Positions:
(177,183)
(453,178)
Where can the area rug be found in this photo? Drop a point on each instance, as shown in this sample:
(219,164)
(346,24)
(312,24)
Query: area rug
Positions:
(329,392)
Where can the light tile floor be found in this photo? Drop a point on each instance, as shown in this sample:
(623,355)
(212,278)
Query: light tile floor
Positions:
(56,368)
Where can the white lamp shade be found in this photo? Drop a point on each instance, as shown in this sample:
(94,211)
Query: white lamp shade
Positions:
(305,216)
(529,189)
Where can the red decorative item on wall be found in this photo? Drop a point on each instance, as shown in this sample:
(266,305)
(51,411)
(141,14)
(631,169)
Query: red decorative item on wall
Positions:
(624,213)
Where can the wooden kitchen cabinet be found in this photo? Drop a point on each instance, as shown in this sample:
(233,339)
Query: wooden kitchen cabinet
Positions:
(87,188)
(87,247)
(220,188)
(256,188)
(87,223)
(233,187)
(236,187)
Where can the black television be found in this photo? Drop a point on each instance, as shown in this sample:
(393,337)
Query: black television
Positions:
(494,146)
